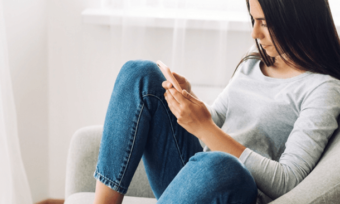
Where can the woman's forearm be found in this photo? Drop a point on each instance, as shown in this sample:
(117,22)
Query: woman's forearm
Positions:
(217,140)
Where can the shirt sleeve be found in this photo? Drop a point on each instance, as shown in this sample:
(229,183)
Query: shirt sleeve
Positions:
(315,125)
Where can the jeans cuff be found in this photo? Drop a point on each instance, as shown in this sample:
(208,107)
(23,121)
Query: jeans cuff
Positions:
(111,184)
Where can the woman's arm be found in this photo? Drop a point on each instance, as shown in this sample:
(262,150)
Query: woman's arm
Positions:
(316,123)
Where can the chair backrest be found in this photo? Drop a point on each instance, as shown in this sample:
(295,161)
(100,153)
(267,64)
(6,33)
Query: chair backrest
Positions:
(322,185)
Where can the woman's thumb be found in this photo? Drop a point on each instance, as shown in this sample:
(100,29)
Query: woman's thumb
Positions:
(177,76)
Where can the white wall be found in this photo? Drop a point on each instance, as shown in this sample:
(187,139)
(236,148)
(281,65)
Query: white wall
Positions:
(84,61)
(26,25)
(63,75)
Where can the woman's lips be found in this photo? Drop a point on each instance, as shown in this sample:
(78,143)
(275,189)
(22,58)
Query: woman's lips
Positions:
(265,46)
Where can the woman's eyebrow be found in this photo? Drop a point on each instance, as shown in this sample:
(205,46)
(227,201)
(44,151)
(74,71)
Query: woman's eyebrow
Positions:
(259,19)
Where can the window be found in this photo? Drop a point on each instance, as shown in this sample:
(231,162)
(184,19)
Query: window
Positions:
(225,5)
(212,5)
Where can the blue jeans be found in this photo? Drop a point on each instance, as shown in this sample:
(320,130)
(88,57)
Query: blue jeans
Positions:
(139,124)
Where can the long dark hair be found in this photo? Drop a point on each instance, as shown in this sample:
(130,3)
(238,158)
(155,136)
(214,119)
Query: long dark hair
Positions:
(304,31)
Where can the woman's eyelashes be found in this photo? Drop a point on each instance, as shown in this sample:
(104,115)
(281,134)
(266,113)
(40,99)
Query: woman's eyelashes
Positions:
(261,22)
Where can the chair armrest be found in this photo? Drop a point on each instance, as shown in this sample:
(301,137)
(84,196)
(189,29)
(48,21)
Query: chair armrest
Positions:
(82,160)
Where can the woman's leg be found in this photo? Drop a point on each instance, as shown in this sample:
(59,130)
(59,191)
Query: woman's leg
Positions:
(139,124)
(211,177)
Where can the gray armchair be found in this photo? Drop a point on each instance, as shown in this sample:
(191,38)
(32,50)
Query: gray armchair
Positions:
(322,185)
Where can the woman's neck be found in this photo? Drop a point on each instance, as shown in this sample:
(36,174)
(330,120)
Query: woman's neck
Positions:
(280,69)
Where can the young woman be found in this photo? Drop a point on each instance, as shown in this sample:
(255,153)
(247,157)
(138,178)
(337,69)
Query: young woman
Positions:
(266,131)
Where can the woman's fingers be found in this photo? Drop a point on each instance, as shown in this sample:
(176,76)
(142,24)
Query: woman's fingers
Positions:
(167,85)
(177,96)
(179,78)
(190,97)
(183,82)
(172,103)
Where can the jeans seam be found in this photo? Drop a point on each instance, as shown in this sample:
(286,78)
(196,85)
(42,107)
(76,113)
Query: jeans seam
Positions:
(134,138)
(115,183)
(173,132)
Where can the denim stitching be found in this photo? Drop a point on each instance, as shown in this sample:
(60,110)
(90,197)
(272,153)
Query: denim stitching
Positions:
(115,183)
(173,132)
(134,138)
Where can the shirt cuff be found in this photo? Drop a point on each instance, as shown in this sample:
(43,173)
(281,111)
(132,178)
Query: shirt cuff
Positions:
(244,156)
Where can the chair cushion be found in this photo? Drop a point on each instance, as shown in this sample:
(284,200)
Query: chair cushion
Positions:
(88,198)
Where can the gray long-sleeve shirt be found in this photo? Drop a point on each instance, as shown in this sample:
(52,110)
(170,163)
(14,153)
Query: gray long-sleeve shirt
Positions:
(284,123)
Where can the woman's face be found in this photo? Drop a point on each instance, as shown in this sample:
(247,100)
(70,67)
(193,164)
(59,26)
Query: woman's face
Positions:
(260,30)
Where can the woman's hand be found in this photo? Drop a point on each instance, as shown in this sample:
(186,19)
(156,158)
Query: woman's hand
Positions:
(183,82)
(190,112)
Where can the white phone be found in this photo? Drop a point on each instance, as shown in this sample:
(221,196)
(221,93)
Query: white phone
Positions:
(168,75)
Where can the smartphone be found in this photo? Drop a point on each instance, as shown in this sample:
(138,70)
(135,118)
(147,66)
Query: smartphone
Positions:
(168,75)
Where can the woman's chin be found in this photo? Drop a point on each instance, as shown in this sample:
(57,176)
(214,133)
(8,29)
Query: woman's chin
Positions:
(271,51)
(272,54)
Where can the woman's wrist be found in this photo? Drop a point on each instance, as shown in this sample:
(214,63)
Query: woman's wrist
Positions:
(206,129)
(217,140)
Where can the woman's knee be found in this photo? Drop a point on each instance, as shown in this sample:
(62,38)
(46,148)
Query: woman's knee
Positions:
(134,69)
(225,171)
(143,75)
(218,159)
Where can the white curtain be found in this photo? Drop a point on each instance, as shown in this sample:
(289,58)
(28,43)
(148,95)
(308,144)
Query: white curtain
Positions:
(14,188)
(201,41)
(185,32)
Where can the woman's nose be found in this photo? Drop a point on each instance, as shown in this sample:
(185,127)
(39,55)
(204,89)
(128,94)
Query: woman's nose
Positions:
(256,33)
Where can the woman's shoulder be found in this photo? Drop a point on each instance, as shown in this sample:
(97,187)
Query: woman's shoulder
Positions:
(321,87)
(317,80)
(248,62)
(248,65)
